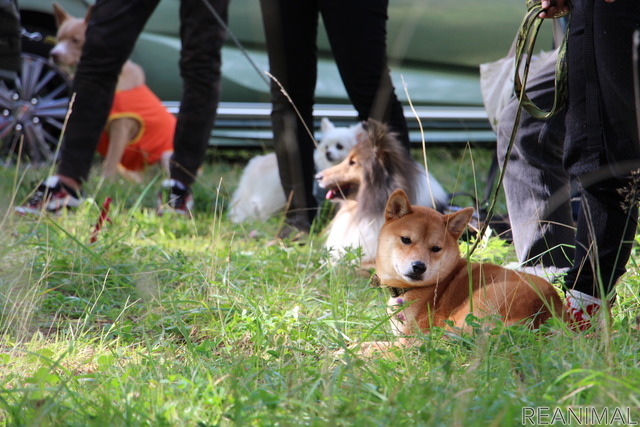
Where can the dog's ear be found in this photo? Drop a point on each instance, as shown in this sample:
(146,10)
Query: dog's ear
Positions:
(60,14)
(87,16)
(326,125)
(376,131)
(359,131)
(457,222)
(398,205)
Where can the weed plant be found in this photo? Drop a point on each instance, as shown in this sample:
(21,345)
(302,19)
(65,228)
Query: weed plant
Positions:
(171,321)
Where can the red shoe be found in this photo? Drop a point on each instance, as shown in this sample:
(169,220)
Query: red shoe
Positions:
(582,310)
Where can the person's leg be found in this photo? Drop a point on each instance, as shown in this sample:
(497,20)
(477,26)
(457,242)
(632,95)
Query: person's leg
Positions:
(113,30)
(536,185)
(291,29)
(202,38)
(10,43)
(607,222)
(358,36)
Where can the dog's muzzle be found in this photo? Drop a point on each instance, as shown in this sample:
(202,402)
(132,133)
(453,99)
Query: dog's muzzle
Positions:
(417,270)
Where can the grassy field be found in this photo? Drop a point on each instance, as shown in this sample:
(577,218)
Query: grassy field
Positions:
(169,321)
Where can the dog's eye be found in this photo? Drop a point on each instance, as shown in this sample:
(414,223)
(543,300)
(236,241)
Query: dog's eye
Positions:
(352,161)
(405,240)
(436,249)
(339,146)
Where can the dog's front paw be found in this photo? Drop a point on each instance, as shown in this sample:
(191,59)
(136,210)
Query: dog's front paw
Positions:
(364,349)
(369,349)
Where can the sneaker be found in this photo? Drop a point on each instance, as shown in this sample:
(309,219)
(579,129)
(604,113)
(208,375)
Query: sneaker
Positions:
(549,273)
(582,310)
(174,197)
(52,196)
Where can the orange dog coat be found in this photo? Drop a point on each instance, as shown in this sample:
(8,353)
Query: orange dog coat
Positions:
(157,126)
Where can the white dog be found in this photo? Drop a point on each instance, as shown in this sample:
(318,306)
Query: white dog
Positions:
(335,144)
(260,194)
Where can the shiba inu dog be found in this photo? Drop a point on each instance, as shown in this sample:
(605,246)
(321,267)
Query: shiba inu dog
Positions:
(361,184)
(419,260)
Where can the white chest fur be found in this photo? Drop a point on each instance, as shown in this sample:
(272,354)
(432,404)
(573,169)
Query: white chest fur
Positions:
(401,317)
(346,231)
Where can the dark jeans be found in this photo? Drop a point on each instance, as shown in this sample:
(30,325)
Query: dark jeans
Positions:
(10,44)
(357,34)
(114,28)
(607,222)
(599,158)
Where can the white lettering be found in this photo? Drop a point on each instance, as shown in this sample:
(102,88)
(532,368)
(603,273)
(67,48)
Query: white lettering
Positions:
(558,417)
(585,415)
(527,415)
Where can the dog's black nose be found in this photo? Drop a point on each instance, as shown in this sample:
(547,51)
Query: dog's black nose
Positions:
(329,156)
(418,267)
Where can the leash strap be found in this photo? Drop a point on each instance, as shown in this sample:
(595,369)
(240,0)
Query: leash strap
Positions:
(525,44)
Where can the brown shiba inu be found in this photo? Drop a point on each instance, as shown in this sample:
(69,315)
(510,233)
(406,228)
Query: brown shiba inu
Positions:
(419,260)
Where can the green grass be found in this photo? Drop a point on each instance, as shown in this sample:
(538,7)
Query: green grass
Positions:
(166,321)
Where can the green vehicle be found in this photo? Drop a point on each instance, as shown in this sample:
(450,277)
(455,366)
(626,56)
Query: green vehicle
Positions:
(434,48)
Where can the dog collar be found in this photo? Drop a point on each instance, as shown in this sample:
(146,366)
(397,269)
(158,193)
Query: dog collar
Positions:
(396,292)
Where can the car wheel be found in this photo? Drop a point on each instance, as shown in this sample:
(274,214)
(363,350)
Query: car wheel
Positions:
(32,111)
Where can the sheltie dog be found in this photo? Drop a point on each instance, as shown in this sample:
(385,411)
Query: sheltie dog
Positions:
(362,183)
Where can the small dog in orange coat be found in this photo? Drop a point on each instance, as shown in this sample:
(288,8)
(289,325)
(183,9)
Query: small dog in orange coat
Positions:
(139,130)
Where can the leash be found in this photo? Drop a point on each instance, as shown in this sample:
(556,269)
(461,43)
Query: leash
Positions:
(239,45)
(525,43)
(524,49)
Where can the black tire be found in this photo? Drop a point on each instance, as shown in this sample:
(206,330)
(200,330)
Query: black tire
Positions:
(32,111)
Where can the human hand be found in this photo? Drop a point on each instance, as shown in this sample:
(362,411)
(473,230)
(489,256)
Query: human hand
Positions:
(557,8)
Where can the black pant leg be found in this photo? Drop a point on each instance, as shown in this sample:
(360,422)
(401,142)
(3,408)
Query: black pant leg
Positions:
(357,33)
(10,43)
(291,30)
(202,37)
(113,30)
(607,222)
